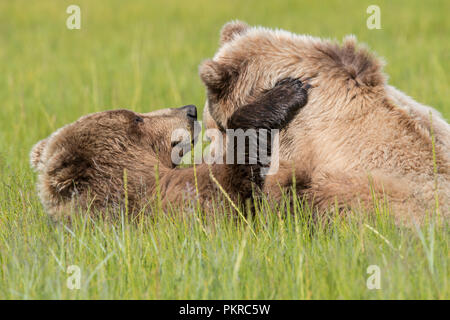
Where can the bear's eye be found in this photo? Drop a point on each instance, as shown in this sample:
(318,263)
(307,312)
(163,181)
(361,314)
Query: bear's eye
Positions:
(138,120)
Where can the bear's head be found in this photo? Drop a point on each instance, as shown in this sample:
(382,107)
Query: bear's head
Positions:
(89,158)
(251,60)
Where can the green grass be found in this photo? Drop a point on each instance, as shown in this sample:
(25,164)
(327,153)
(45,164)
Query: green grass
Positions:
(144,55)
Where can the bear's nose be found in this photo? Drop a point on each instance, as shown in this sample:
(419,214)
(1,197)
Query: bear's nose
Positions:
(191,111)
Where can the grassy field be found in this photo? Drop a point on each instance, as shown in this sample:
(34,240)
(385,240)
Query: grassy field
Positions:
(144,55)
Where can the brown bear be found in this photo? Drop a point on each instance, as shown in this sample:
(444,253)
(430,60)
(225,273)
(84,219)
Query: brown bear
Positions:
(84,164)
(356,139)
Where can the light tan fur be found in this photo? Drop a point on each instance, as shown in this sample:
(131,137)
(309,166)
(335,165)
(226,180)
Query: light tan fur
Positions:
(356,137)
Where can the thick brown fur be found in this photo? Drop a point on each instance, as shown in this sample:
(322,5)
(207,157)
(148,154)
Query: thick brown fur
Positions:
(356,139)
(83,164)
(116,158)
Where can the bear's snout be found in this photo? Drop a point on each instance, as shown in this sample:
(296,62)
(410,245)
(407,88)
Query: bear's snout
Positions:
(191,111)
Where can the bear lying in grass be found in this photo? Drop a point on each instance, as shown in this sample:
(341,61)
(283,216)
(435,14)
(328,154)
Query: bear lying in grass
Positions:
(357,139)
(83,164)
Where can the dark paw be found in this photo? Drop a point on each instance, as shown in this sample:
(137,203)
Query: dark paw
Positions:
(291,92)
(289,83)
(273,109)
(290,86)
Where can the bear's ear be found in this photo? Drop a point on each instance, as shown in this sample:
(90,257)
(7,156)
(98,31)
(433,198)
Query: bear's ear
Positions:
(36,155)
(231,29)
(216,76)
